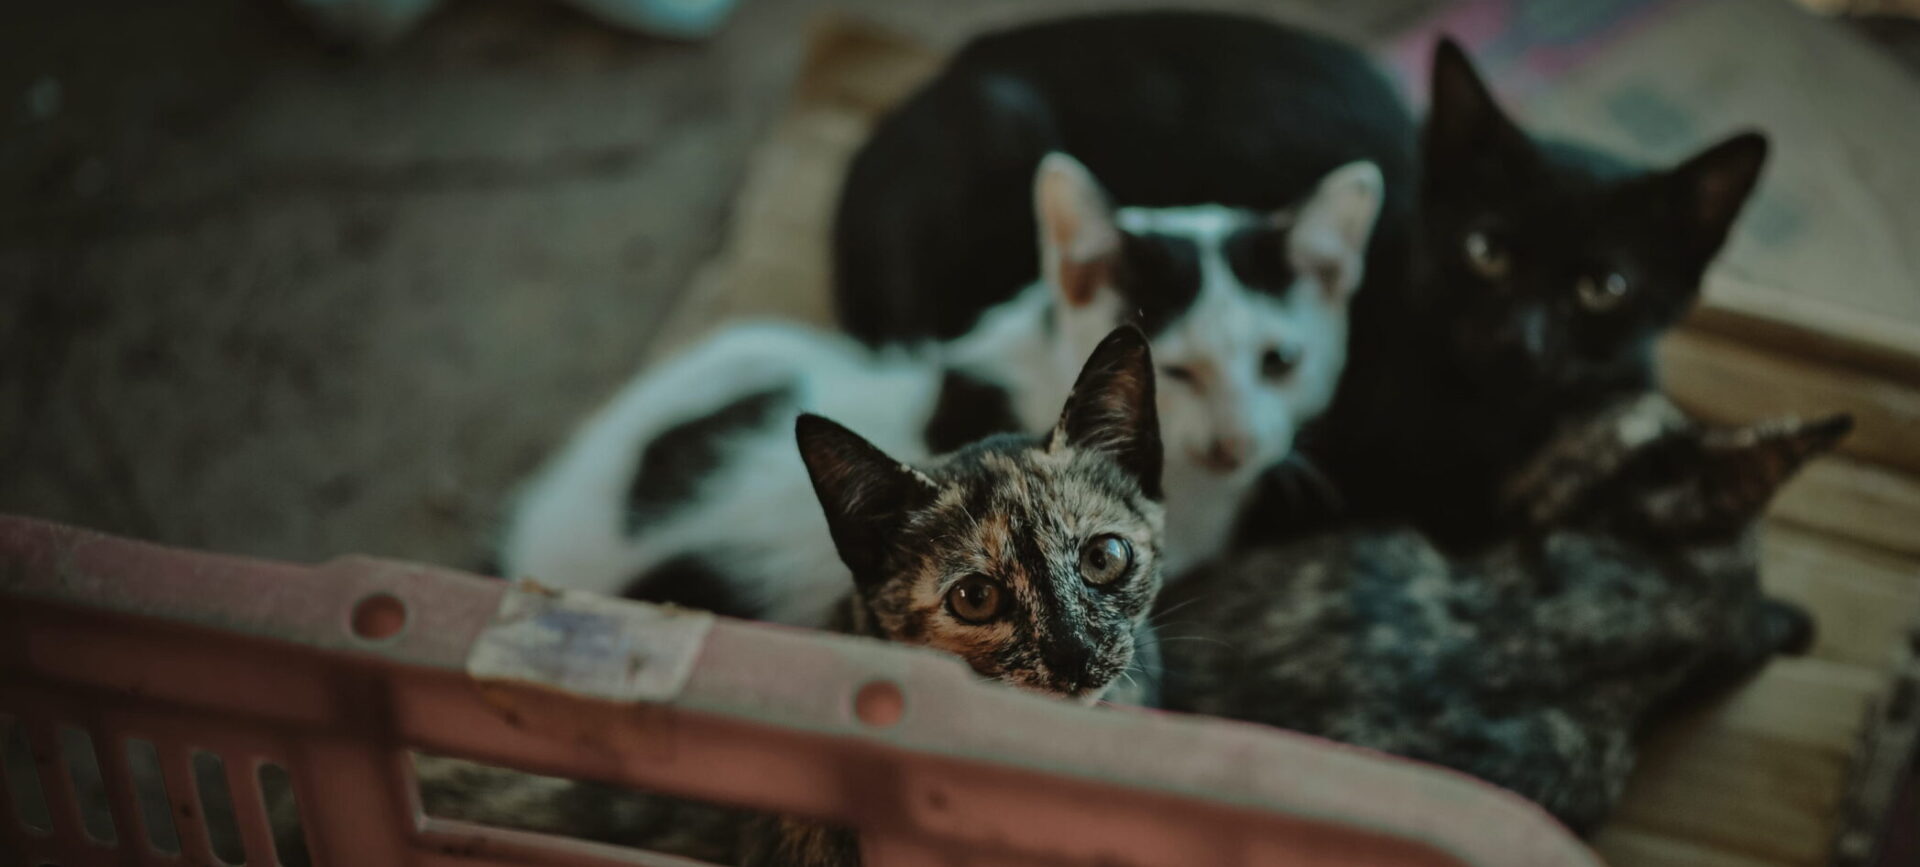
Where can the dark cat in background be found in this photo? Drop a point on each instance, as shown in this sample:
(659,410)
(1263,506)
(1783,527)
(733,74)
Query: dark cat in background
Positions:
(935,223)
(1510,282)
(1532,663)
(1540,274)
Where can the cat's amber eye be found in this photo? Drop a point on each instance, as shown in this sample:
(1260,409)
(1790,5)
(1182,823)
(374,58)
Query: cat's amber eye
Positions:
(1602,293)
(1278,362)
(1486,255)
(1106,559)
(976,599)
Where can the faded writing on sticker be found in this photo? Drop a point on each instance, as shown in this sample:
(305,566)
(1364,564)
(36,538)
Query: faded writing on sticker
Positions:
(590,645)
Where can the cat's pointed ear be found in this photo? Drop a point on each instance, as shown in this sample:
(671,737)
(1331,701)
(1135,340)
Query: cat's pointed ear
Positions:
(1747,465)
(1466,128)
(1328,240)
(1078,238)
(1112,409)
(1714,185)
(1735,472)
(864,493)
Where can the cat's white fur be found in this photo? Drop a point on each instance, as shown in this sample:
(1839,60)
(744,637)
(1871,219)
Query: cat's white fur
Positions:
(757,517)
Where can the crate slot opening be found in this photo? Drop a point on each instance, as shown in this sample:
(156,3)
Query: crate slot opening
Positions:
(89,786)
(216,808)
(508,799)
(150,792)
(283,816)
(23,778)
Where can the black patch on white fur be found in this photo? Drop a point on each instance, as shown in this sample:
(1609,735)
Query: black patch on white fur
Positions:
(1258,257)
(969,409)
(689,582)
(674,463)
(1159,276)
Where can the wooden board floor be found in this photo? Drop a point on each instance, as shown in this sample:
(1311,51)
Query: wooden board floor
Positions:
(1758,779)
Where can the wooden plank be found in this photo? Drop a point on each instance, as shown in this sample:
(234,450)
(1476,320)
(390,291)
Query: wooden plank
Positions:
(1789,322)
(1759,772)
(1720,379)
(855,65)
(1800,702)
(1863,599)
(1873,505)
(1737,793)
(1625,845)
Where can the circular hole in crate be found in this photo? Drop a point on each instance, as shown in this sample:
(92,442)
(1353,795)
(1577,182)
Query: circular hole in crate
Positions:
(879,703)
(379,616)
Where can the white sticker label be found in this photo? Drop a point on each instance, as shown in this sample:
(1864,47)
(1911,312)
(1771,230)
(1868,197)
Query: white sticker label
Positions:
(590,645)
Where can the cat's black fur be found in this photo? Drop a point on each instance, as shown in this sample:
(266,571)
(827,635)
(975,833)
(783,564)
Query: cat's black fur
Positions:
(935,223)
(1442,390)
(1532,663)
(675,462)
(1455,377)
(689,581)
(969,408)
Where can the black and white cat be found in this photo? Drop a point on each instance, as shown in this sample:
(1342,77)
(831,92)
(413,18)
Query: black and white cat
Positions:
(685,487)
(1516,282)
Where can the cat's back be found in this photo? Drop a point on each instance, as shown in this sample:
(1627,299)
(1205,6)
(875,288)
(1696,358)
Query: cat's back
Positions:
(696,449)
(1167,108)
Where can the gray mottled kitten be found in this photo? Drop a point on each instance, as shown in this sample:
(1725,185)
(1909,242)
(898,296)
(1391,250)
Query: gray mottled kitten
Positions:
(1533,664)
(1036,559)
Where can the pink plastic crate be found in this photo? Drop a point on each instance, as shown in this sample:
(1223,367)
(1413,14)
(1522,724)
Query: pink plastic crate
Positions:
(334,672)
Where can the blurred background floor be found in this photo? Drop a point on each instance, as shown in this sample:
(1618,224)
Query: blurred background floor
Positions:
(266,297)
(261,296)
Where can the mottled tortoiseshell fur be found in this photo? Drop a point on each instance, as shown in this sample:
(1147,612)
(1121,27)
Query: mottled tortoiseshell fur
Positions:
(1533,663)
(1016,509)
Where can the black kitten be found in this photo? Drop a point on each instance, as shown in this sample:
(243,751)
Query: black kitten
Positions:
(1540,275)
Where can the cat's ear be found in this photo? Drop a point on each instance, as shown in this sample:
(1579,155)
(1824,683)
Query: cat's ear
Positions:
(1112,409)
(864,493)
(1078,238)
(1714,185)
(1466,130)
(1735,472)
(1328,240)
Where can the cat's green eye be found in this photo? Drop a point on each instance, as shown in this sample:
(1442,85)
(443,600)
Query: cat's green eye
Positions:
(976,599)
(1603,293)
(1106,559)
(1486,255)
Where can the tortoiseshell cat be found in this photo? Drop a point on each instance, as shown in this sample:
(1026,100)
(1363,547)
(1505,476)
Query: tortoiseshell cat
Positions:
(1035,559)
(1534,663)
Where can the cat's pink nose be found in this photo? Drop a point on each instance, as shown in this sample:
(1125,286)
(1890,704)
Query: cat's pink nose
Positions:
(1226,454)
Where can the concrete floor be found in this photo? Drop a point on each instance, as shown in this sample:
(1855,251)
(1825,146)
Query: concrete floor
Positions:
(262,296)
